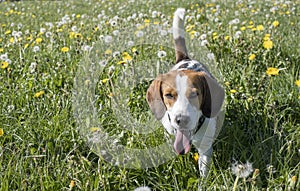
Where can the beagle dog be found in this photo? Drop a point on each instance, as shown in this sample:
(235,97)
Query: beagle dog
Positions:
(187,100)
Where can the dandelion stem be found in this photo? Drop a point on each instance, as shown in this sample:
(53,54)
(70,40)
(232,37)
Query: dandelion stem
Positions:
(235,183)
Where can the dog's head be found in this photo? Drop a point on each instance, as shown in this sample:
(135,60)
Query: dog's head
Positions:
(183,96)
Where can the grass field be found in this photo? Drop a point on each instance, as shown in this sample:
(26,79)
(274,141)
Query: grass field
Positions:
(74,71)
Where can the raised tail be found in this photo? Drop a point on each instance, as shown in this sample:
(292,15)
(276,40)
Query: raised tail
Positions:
(178,35)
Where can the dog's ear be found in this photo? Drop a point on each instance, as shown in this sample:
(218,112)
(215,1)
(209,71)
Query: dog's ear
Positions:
(154,99)
(213,96)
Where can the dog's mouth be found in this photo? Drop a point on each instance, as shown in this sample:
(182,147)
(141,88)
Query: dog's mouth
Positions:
(182,144)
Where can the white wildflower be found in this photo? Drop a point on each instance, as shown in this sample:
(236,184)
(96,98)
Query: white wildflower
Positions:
(203,43)
(116,32)
(3,56)
(163,32)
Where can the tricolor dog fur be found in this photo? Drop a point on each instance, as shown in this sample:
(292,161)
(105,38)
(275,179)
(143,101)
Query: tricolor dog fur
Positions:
(187,100)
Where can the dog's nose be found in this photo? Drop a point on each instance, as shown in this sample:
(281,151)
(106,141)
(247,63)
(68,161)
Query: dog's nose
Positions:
(182,120)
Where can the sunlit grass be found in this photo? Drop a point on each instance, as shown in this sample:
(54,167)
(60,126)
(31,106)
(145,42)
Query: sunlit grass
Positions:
(255,47)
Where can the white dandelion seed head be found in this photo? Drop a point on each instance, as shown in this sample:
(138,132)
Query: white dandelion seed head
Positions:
(139,34)
(103,63)
(32,67)
(130,43)
(237,34)
(42,30)
(86,48)
(113,22)
(163,32)
(142,188)
(116,53)
(203,37)
(36,49)
(20,25)
(74,28)
(242,170)
(108,39)
(154,14)
(48,34)
(3,56)
(116,32)
(14,33)
(234,21)
(203,43)
(161,54)
(211,56)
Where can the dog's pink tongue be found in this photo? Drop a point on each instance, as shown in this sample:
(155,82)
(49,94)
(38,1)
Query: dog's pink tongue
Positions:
(182,142)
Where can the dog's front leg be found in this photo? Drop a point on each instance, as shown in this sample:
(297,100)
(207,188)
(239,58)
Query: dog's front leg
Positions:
(204,161)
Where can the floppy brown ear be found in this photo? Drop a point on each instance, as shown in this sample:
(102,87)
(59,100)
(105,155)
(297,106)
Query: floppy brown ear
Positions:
(154,99)
(213,96)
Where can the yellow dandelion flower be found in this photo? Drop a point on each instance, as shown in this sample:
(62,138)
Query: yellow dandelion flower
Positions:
(134,49)
(108,51)
(227,37)
(299,97)
(7,32)
(268,44)
(260,27)
(104,80)
(252,57)
(1,132)
(39,94)
(233,91)
(94,129)
(156,22)
(126,57)
(38,40)
(227,83)
(71,35)
(147,21)
(65,49)
(275,23)
(12,40)
(297,83)
(122,62)
(1,49)
(243,28)
(4,64)
(196,157)
(72,184)
(78,16)
(272,71)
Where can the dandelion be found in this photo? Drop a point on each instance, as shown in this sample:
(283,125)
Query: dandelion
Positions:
(72,184)
(142,188)
(266,37)
(275,23)
(297,83)
(39,94)
(108,39)
(272,71)
(108,52)
(210,56)
(161,54)
(1,49)
(233,91)
(268,44)
(65,49)
(242,170)
(252,57)
(36,49)
(104,80)
(260,27)
(126,57)
(196,157)
(1,132)
(4,64)
(38,40)
(94,129)
(139,34)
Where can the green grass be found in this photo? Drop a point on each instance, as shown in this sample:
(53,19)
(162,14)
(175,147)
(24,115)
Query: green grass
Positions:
(44,144)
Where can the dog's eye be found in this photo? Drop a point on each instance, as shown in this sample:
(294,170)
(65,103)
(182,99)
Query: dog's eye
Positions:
(169,96)
(194,94)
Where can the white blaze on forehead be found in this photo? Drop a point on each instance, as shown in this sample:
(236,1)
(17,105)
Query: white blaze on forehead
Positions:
(181,85)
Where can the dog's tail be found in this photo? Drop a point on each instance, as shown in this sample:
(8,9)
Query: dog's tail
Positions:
(178,35)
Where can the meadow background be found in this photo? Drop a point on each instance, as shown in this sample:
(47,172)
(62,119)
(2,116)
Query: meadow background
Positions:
(255,44)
